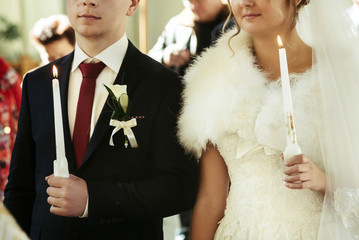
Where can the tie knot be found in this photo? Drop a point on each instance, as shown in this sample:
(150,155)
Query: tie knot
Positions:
(91,70)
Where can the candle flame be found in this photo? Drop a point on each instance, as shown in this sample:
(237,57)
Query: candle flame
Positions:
(54,71)
(280,43)
(7,130)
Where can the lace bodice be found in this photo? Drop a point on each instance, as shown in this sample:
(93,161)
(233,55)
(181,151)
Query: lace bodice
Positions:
(259,206)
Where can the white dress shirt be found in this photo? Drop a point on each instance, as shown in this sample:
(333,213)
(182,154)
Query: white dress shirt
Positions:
(112,57)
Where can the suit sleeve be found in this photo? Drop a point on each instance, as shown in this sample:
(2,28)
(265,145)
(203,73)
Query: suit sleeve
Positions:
(20,189)
(172,186)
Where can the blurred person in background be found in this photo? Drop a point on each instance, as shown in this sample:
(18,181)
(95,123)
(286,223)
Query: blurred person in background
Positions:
(53,37)
(10,97)
(222,28)
(188,33)
(185,36)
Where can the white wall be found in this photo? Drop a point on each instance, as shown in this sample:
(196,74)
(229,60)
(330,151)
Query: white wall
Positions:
(159,12)
(11,11)
(25,13)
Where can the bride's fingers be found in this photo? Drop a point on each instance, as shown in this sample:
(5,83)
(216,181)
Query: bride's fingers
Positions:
(298,185)
(298,159)
(297,169)
(297,178)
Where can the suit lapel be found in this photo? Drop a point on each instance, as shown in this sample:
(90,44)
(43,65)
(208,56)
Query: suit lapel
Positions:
(64,68)
(128,75)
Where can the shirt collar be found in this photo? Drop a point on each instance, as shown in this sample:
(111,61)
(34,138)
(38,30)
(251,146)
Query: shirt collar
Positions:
(112,56)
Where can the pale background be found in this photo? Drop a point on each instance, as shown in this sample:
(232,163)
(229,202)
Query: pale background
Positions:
(25,12)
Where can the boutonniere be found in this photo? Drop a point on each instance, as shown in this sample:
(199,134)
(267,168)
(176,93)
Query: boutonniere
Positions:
(120,119)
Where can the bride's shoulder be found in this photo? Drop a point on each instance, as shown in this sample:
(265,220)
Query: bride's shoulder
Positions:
(212,86)
(219,63)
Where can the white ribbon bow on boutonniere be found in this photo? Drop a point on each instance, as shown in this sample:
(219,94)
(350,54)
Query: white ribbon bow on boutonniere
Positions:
(120,118)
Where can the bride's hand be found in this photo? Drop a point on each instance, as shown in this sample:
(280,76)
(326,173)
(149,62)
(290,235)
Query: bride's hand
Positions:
(301,172)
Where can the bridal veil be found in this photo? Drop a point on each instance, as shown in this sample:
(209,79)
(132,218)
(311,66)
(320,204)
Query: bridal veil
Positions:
(336,65)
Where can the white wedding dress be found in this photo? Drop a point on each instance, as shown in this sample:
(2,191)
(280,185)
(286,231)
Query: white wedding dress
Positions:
(259,206)
(229,102)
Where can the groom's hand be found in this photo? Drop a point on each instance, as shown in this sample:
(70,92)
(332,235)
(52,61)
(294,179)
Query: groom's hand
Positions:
(67,196)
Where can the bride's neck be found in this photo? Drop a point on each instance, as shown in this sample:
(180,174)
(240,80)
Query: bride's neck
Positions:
(299,55)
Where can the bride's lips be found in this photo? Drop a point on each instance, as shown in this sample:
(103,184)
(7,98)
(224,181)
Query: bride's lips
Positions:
(250,16)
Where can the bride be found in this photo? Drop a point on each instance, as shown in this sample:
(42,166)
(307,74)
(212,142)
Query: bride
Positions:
(233,121)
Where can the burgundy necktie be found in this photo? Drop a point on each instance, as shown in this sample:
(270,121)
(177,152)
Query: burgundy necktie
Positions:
(81,135)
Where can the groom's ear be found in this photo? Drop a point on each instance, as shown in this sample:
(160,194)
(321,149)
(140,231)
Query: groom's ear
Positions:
(132,9)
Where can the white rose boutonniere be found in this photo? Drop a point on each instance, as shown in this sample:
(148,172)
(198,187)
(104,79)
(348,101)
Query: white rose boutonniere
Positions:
(120,119)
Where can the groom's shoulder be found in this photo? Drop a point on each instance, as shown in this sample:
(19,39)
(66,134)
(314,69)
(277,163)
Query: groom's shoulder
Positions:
(149,66)
(157,77)
(157,68)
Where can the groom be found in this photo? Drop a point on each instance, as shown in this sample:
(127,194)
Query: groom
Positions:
(114,192)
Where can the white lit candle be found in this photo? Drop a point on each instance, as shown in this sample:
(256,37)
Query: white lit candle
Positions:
(60,164)
(292,147)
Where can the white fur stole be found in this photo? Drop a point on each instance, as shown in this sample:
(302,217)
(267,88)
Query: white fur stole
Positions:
(227,93)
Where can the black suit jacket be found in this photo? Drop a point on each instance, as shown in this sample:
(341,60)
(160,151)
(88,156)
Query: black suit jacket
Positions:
(130,189)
